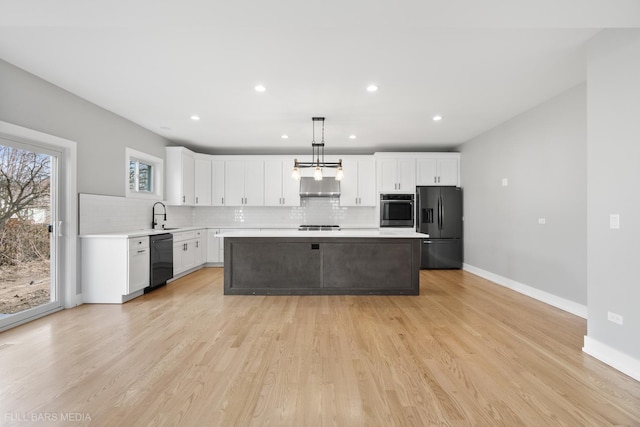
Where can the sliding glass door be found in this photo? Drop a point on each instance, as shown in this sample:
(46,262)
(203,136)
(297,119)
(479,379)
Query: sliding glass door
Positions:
(28,231)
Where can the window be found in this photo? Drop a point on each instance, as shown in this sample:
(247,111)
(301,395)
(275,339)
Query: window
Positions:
(144,175)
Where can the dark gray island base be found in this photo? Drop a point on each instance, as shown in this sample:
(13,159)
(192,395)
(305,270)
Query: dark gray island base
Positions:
(321,266)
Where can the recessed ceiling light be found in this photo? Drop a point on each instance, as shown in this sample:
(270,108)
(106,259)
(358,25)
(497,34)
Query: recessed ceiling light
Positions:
(285,136)
(437,118)
(260,88)
(195,118)
(352,137)
(372,88)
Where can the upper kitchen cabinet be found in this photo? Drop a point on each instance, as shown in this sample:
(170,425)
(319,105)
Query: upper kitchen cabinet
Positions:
(202,187)
(358,187)
(180,176)
(439,169)
(279,188)
(396,172)
(217,182)
(244,182)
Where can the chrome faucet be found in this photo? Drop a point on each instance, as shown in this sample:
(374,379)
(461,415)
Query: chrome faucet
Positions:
(154,223)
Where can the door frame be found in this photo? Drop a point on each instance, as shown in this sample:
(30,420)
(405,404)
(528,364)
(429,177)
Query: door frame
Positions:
(67,265)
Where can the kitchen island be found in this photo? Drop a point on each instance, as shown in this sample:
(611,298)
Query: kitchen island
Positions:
(355,262)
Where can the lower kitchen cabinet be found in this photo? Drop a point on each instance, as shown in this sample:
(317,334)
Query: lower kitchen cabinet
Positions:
(188,251)
(114,269)
(214,247)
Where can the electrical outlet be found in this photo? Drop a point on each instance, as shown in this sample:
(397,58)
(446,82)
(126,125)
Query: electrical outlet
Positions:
(615,318)
(542,221)
(505,182)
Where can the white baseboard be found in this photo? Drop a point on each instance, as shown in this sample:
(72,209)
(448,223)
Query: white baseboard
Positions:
(546,297)
(612,357)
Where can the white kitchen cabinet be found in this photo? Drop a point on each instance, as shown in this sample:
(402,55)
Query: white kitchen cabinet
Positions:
(358,187)
(217,182)
(114,269)
(244,182)
(396,174)
(214,247)
(187,251)
(202,176)
(438,170)
(279,188)
(139,264)
(200,249)
(180,176)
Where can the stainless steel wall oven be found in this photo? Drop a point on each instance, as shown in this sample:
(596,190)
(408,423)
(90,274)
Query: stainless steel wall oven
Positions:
(396,210)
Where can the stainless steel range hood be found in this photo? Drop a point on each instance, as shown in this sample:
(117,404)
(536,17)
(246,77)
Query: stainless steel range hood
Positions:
(327,187)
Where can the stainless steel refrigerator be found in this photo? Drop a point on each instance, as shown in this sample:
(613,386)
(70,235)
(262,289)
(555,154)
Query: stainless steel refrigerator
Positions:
(439,214)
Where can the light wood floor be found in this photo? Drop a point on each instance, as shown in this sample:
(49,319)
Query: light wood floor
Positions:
(464,352)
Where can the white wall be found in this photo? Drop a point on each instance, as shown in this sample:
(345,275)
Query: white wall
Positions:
(102,136)
(542,153)
(613,110)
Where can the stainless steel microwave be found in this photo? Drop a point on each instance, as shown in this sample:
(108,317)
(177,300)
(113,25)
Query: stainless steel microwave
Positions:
(396,210)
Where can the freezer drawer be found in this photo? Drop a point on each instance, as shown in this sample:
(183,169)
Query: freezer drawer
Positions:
(441,254)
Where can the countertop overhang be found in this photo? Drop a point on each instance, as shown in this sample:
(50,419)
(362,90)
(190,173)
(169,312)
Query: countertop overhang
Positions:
(327,234)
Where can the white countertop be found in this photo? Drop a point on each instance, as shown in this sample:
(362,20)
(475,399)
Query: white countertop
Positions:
(140,233)
(269,231)
(402,234)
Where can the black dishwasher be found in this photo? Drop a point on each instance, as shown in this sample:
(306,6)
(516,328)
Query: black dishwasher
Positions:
(161,268)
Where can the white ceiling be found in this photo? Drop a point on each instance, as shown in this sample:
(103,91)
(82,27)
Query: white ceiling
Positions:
(477,63)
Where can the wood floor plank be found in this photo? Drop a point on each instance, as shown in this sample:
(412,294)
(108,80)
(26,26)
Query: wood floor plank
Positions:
(464,352)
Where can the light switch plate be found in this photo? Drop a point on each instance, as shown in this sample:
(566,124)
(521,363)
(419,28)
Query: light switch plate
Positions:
(614,221)
(505,182)
(542,221)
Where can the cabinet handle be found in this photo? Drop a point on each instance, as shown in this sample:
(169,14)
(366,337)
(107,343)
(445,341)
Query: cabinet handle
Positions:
(222,200)
(438,180)
(184,199)
(196,200)
(197,244)
(141,251)
(435,180)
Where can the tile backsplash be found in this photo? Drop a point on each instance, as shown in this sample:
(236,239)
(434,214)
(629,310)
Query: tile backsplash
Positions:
(111,214)
(318,210)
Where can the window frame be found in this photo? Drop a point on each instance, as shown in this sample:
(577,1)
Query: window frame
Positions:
(157,177)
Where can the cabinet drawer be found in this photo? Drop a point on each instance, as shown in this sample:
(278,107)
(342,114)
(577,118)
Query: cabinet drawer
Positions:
(185,235)
(138,243)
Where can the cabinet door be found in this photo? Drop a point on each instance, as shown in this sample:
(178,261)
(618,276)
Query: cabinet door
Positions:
(407,175)
(254,183)
(349,184)
(367,182)
(427,172)
(387,174)
(273,183)
(234,182)
(290,186)
(213,246)
(189,254)
(188,180)
(178,263)
(448,172)
(138,269)
(198,252)
(217,182)
(202,184)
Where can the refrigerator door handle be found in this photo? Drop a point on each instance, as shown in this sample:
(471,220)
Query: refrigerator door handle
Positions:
(441,213)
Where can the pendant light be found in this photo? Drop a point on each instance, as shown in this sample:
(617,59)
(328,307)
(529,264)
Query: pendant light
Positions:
(316,155)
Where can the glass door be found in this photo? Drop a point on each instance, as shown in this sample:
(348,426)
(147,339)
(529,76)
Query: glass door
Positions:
(28,232)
